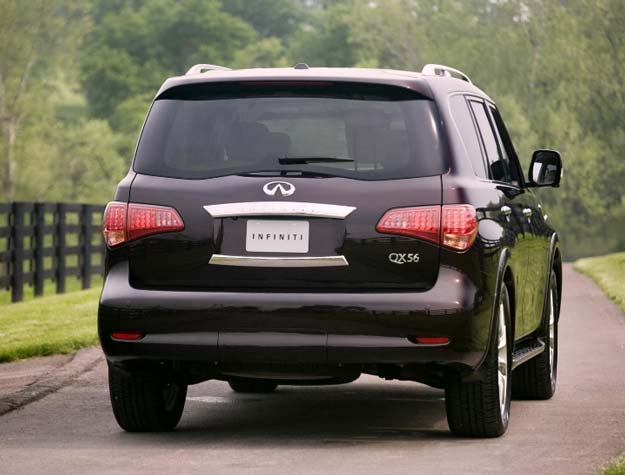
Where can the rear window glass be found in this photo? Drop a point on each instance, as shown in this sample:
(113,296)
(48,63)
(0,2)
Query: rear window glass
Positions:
(352,130)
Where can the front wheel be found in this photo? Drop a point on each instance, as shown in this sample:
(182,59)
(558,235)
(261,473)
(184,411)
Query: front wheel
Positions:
(482,408)
(145,402)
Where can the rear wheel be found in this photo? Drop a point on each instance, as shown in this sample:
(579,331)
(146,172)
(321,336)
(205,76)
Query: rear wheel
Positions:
(482,408)
(252,386)
(536,379)
(145,402)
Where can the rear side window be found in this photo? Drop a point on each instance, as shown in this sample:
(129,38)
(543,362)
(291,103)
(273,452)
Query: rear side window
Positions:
(507,148)
(498,166)
(209,130)
(466,127)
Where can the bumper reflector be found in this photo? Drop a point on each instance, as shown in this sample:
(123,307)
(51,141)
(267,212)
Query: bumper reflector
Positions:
(429,340)
(127,336)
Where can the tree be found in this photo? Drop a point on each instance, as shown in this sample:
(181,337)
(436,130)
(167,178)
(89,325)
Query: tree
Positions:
(34,37)
(269,18)
(325,39)
(131,50)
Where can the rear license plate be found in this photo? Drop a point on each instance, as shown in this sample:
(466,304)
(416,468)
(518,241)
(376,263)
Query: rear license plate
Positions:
(277,236)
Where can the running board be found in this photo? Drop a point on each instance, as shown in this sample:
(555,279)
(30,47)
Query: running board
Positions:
(527,352)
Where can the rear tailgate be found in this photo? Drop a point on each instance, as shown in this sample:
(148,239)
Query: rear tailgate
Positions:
(183,260)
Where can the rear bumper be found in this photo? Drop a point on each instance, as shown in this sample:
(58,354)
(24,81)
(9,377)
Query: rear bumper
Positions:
(297,328)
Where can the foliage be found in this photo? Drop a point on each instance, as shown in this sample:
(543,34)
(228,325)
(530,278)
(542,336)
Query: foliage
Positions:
(279,18)
(325,40)
(609,273)
(49,325)
(541,61)
(131,49)
(617,467)
(77,77)
(33,39)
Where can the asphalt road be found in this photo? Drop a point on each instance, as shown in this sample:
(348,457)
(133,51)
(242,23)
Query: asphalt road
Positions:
(369,426)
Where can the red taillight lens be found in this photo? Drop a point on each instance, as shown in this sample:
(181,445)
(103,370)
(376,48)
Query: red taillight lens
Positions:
(125,222)
(423,222)
(453,226)
(147,219)
(459,226)
(114,227)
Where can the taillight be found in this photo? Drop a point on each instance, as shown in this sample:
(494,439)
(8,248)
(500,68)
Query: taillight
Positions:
(125,222)
(423,222)
(114,226)
(459,226)
(453,226)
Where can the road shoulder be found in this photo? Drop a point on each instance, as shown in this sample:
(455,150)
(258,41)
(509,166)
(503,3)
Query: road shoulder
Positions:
(23,382)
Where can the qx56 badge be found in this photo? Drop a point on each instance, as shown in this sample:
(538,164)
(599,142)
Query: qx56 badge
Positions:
(403,257)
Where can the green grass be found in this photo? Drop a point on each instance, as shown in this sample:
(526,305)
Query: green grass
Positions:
(609,273)
(49,325)
(72,284)
(616,467)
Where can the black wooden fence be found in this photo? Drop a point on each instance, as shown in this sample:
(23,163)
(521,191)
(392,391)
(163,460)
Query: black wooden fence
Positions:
(40,241)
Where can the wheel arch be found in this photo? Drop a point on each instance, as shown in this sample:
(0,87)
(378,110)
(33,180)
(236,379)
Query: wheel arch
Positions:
(508,281)
(555,264)
(504,277)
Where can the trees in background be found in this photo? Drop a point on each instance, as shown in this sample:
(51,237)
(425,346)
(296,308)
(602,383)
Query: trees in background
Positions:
(91,67)
(47,152)
(33,36)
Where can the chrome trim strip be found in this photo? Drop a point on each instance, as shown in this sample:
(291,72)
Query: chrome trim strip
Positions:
(261,261)
(279,208)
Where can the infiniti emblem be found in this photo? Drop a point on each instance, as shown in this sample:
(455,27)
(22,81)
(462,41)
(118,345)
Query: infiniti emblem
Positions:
(283,188)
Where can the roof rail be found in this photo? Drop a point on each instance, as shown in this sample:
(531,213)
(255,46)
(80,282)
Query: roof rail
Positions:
(202,68)
(445,71)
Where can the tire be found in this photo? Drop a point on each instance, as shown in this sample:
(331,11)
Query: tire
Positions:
(144,402)
(536,379)
(252,386)
(482,408)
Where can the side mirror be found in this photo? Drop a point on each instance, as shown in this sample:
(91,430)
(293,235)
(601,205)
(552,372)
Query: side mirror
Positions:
(545,169)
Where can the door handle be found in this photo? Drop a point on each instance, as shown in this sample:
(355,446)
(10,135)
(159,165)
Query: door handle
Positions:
(506,210)
(527,212)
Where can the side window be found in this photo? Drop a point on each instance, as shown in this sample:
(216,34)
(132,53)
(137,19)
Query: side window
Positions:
(497,164)
(507,148)
(466,127)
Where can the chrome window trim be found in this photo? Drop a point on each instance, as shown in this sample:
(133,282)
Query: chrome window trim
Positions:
(279,208)
(261,261)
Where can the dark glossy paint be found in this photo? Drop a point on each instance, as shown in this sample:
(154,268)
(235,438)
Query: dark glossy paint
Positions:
(180,260)
(312,323)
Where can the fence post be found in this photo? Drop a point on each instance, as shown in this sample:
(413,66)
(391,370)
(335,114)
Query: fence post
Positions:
(86,233)
(102,244)
(38,248)
(17,252)
(59,248)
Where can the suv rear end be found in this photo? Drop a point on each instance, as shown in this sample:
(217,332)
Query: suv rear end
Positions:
(280,227)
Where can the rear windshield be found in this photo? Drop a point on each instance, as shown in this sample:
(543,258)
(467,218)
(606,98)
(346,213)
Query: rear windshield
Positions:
(357,131)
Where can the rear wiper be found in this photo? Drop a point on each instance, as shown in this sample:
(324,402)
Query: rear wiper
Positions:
(304,160)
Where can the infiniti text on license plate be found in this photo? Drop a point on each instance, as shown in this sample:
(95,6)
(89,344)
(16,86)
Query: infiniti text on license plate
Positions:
(277,236)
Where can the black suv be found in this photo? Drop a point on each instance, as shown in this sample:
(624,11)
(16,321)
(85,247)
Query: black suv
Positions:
(307,225)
